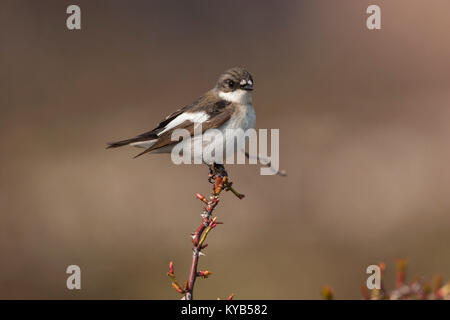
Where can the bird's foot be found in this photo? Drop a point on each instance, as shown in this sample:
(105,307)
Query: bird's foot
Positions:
(216,171)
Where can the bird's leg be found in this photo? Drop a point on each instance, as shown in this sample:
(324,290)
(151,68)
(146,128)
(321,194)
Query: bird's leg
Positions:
(216,170)
(220,170)
(211,174)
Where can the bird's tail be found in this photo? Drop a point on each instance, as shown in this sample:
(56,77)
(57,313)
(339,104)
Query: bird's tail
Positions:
(119,143)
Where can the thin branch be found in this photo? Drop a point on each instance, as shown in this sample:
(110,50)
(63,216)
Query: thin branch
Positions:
(199,236)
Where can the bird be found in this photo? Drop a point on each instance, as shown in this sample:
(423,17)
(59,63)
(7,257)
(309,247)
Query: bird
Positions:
(228,105)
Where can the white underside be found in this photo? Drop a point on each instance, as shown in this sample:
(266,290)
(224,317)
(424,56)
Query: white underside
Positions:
(225,137)
(243,118)
(217,138)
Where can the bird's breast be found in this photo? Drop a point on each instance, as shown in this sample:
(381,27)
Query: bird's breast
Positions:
(244,117)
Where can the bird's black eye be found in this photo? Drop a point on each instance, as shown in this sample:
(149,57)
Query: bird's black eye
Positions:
(230,83)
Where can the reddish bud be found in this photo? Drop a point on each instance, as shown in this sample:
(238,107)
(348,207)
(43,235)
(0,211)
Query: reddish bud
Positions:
(400,277)
(177,288)
(436,283)
(212,223)
(444,292)
(382,266)
(327,293)
(204,274)
(364,292)
(201,198)
(230,297)
(171,269)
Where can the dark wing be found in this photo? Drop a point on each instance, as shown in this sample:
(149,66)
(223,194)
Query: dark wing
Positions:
(152,134)
(218,113)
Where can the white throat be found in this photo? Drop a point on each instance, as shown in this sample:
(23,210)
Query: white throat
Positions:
(237,96)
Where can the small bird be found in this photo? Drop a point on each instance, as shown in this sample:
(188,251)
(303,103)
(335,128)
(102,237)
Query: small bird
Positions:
(227,106)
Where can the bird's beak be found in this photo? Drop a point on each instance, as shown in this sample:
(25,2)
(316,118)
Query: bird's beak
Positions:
(248,86)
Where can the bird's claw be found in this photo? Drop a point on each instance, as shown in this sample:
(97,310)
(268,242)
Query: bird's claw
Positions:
(216,171)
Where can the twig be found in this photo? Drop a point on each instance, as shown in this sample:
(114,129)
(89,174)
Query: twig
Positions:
(404,290)
(199,236)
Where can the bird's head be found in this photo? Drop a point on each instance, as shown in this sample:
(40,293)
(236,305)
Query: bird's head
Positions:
(235,85)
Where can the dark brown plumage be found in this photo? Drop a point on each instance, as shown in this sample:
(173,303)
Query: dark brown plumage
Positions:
(217,109)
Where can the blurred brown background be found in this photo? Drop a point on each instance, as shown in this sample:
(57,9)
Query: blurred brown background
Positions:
(364,126)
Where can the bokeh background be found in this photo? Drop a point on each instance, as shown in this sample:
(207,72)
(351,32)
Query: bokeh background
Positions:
(364,127)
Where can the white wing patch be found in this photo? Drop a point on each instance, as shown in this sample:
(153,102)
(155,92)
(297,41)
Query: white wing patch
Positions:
(197,117)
